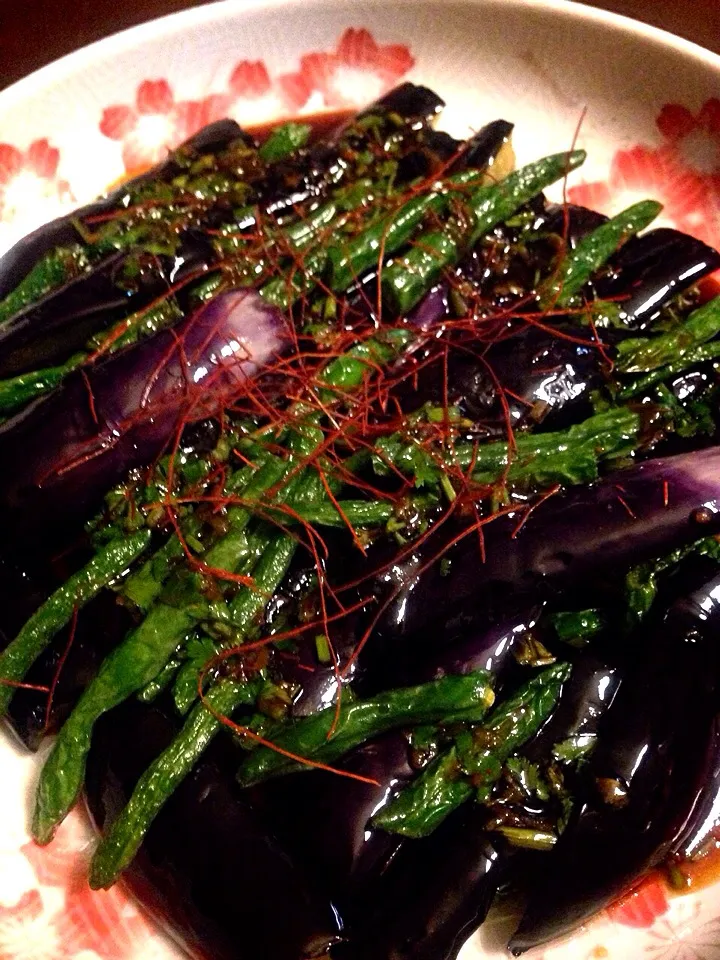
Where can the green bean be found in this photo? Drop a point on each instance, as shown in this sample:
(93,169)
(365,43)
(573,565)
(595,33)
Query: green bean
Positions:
(57,611)
(404,283)
(529,839)
(641,355)
(449,699)
(145,585)
(475,761)
(691,357)
(483,751)
(593,250)
(423,805)
(569,456)
(161,682)
(137,326)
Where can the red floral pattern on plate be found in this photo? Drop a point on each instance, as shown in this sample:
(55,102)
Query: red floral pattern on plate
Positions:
(29,179)
(61,917)
(357,71)
(683,173)
(641,906)
(156,123)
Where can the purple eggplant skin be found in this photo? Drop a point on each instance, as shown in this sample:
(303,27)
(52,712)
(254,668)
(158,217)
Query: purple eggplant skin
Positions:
(705,817)
(473,642)
(440,149)
(484,146)
(649,271)
(208,870)
(434,894)
(572,221)
(544,379)
(326,827)
(322,165)
(570,538)
(76,443)
(101,626)
(22,257)
(49,331)
(411,101)
(643,779)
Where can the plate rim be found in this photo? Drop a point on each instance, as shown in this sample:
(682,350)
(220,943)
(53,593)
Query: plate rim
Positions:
(181,21)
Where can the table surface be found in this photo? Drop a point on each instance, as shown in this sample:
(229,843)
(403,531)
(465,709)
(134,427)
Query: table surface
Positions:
(34,32)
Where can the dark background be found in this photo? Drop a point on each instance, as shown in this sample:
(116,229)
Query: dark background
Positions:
(34,32)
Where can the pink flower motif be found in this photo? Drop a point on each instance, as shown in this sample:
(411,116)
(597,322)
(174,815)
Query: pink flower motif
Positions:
(641,906)
(255,98)
(30,189)
(358,71)
(156,123)
(695,138)
(691,202)
(104,921)
(27,932)
(107,923)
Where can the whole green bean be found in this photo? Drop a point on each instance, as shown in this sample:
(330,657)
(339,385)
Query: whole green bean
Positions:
(404,283)
(449,699)
(423,805)
(593,250)
(475,761)
(358,513)
(57,611)
(641,355)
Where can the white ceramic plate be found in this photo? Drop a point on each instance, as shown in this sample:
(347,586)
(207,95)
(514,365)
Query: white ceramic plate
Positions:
(645,107)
